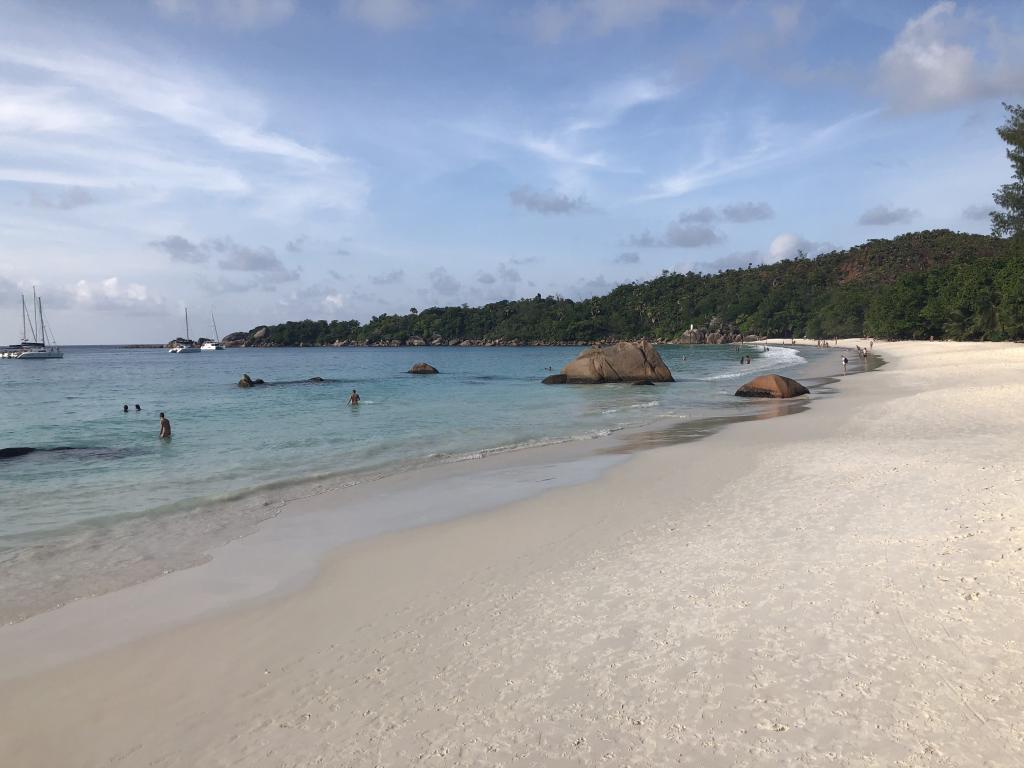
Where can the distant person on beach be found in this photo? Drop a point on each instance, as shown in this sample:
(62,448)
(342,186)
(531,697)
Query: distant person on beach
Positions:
(126,407)
(846,362)
(353,399)
(165,425)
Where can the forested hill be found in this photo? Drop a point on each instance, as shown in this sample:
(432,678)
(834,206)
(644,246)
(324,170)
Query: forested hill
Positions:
(935,283)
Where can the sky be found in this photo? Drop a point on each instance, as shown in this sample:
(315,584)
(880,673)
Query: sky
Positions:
(269,160)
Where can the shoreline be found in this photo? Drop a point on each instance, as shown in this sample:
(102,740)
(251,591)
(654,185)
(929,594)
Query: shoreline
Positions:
(320,515)
(585,622)
(244,512)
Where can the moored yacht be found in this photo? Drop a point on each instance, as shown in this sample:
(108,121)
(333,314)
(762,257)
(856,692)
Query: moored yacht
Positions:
(42,346)
(189,345)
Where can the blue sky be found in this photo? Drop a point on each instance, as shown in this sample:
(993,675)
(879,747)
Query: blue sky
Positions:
(283,159)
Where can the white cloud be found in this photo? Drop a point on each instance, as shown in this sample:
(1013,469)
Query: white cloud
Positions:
(944,57)
(235,13)
(384,14)
(629,257)
(925,67)
(789,245)
(112,294)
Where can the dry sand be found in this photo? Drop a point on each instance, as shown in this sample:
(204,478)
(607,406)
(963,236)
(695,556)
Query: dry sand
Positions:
(843,586)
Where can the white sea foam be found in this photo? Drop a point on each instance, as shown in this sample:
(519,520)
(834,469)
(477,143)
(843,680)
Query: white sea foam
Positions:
(774,359)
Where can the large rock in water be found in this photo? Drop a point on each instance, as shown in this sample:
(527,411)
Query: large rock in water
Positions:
(625,361)
(423,368)
(246,381)
(772,385)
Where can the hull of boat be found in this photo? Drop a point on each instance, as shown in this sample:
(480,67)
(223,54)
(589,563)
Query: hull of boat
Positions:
(48,354)
(183,350)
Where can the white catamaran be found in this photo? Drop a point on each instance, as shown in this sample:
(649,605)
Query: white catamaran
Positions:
(189,345)
(214,345)
(42,346)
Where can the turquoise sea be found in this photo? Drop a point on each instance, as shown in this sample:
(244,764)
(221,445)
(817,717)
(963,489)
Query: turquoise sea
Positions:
(105,502)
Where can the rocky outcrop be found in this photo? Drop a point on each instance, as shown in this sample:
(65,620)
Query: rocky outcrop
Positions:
(772,385)
(625,361)
(555,378)
(423,368)
(247,381)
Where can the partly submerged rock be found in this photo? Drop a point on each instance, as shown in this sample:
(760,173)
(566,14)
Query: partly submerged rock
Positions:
(423,368)
(772,385)
(625,361)
(246,381)
(555,378)
(10,453)
(315,380)
(644,383)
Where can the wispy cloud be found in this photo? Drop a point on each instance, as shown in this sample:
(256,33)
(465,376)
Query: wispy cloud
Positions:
(766,144)
(110,116)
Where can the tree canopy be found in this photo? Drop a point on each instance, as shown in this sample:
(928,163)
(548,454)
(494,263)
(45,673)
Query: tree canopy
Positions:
(1010,197)
(933,283)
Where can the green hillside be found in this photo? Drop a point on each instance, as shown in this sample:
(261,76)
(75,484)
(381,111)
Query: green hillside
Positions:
(935,283)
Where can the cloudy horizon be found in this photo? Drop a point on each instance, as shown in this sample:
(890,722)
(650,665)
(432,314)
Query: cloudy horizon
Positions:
(272,160)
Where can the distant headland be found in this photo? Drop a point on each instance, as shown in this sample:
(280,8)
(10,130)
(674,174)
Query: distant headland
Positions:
(935,283)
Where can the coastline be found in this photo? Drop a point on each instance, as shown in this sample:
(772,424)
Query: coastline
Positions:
(136,547)
(834,585)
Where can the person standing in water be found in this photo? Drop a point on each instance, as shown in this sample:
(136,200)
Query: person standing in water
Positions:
(126,407)
(165,426)
(353,399)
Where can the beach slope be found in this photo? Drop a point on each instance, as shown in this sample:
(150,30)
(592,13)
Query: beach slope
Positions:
(842,586)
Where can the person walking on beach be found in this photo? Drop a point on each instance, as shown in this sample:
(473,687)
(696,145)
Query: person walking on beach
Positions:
(846,362)
(354,398)
(165,426)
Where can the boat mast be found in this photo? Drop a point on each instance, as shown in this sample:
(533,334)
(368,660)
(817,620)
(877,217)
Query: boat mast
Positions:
(187,336)
(216,334)
(42,327)
(35,312)
(24,320)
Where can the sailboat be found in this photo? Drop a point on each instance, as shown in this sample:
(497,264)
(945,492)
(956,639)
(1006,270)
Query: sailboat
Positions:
(189,345)
(42,346)
(214,345)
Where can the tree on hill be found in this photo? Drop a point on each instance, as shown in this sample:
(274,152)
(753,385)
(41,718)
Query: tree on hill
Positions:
(1010,197)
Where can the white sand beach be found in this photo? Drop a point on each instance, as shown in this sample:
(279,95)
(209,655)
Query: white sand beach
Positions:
(843,586)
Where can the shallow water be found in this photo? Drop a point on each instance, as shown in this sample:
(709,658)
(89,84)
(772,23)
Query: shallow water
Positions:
(119,504)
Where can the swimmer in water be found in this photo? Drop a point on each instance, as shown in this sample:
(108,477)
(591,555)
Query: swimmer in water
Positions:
(353,399)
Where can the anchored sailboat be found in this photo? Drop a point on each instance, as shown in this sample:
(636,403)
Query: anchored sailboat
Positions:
(42,346)
(189,345)
(214,345)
